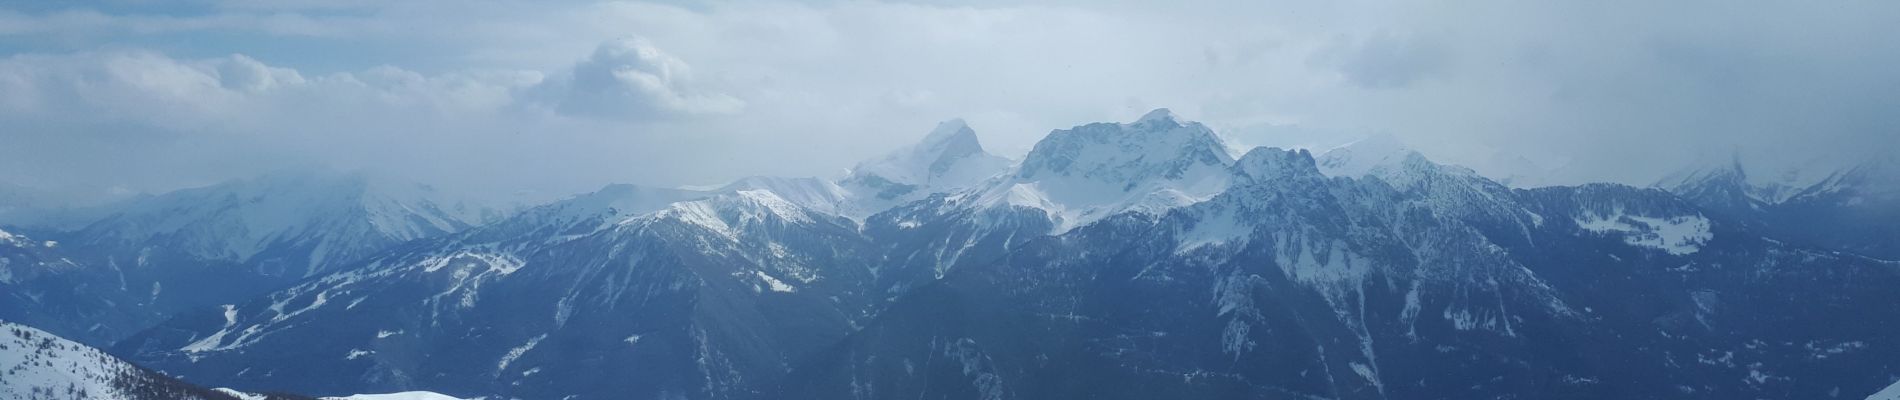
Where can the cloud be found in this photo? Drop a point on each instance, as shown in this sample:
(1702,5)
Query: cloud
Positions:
(1384,60)
(242,73)
(630,78)
(152,122)
(81,22)
(152,96)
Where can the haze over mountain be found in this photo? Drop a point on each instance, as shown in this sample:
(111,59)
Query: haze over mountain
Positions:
(146,258)
(1849,203)
(887,199)
(1138,253)
(506,97)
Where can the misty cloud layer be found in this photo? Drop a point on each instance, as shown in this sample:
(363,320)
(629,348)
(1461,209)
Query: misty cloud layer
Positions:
(506,97)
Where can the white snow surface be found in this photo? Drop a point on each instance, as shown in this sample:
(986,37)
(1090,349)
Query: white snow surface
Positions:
(32,359)
(949,157)
(25,355)
(1217,227)
(611,204)
(948,160)
(1361,157)
(517,352)
(1892,392)
(343,215)
(817,194)
(415,395)
(418,395)
(1776,181)
(1089,172)
(774,284)
(729,214)
(1678,235)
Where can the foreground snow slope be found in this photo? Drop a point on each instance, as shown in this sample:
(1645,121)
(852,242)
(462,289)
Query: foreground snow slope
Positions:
(36,365)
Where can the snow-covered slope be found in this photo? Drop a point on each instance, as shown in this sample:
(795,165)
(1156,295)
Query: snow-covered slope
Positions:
(1874,176)
(1363,156)
(296,223)
(1088,172)
(697,298)
(41,285)
(1890,393)
(1360,157)
(418,395)
(218,244)
(1844,203)
(1117,261)
(815,193)
(22,256)
(948,158)
(1411,280)
(36,365)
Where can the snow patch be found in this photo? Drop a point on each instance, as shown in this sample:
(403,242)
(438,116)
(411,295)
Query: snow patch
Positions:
(1214,228)
(1678,235)
(418,395)
(240,395)
(774,284)
(516,353)
(212,342)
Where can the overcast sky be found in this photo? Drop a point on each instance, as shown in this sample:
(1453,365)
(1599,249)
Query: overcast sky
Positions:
(561,97)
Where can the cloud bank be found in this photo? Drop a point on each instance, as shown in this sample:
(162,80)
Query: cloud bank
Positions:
(558,97)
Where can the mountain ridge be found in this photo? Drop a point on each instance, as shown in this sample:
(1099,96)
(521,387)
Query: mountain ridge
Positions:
(1198,275)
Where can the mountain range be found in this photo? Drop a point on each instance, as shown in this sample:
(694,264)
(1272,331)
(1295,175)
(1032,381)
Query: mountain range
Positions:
(1852,206)
(1132,260)
(147,258)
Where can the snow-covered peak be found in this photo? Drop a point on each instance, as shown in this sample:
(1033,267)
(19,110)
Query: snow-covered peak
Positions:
(1385,158)
(950,130)
(1151,148)
(336,215)
(1730,172)
(1264,164)
(1775,182)
(731,214)
(1160,115)
(950,157)
(1085,173)
(1360,157)
(814,193)
(1518,171)
(591,211)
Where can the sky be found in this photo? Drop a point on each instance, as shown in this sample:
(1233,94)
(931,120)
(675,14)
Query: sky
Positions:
(558,97)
